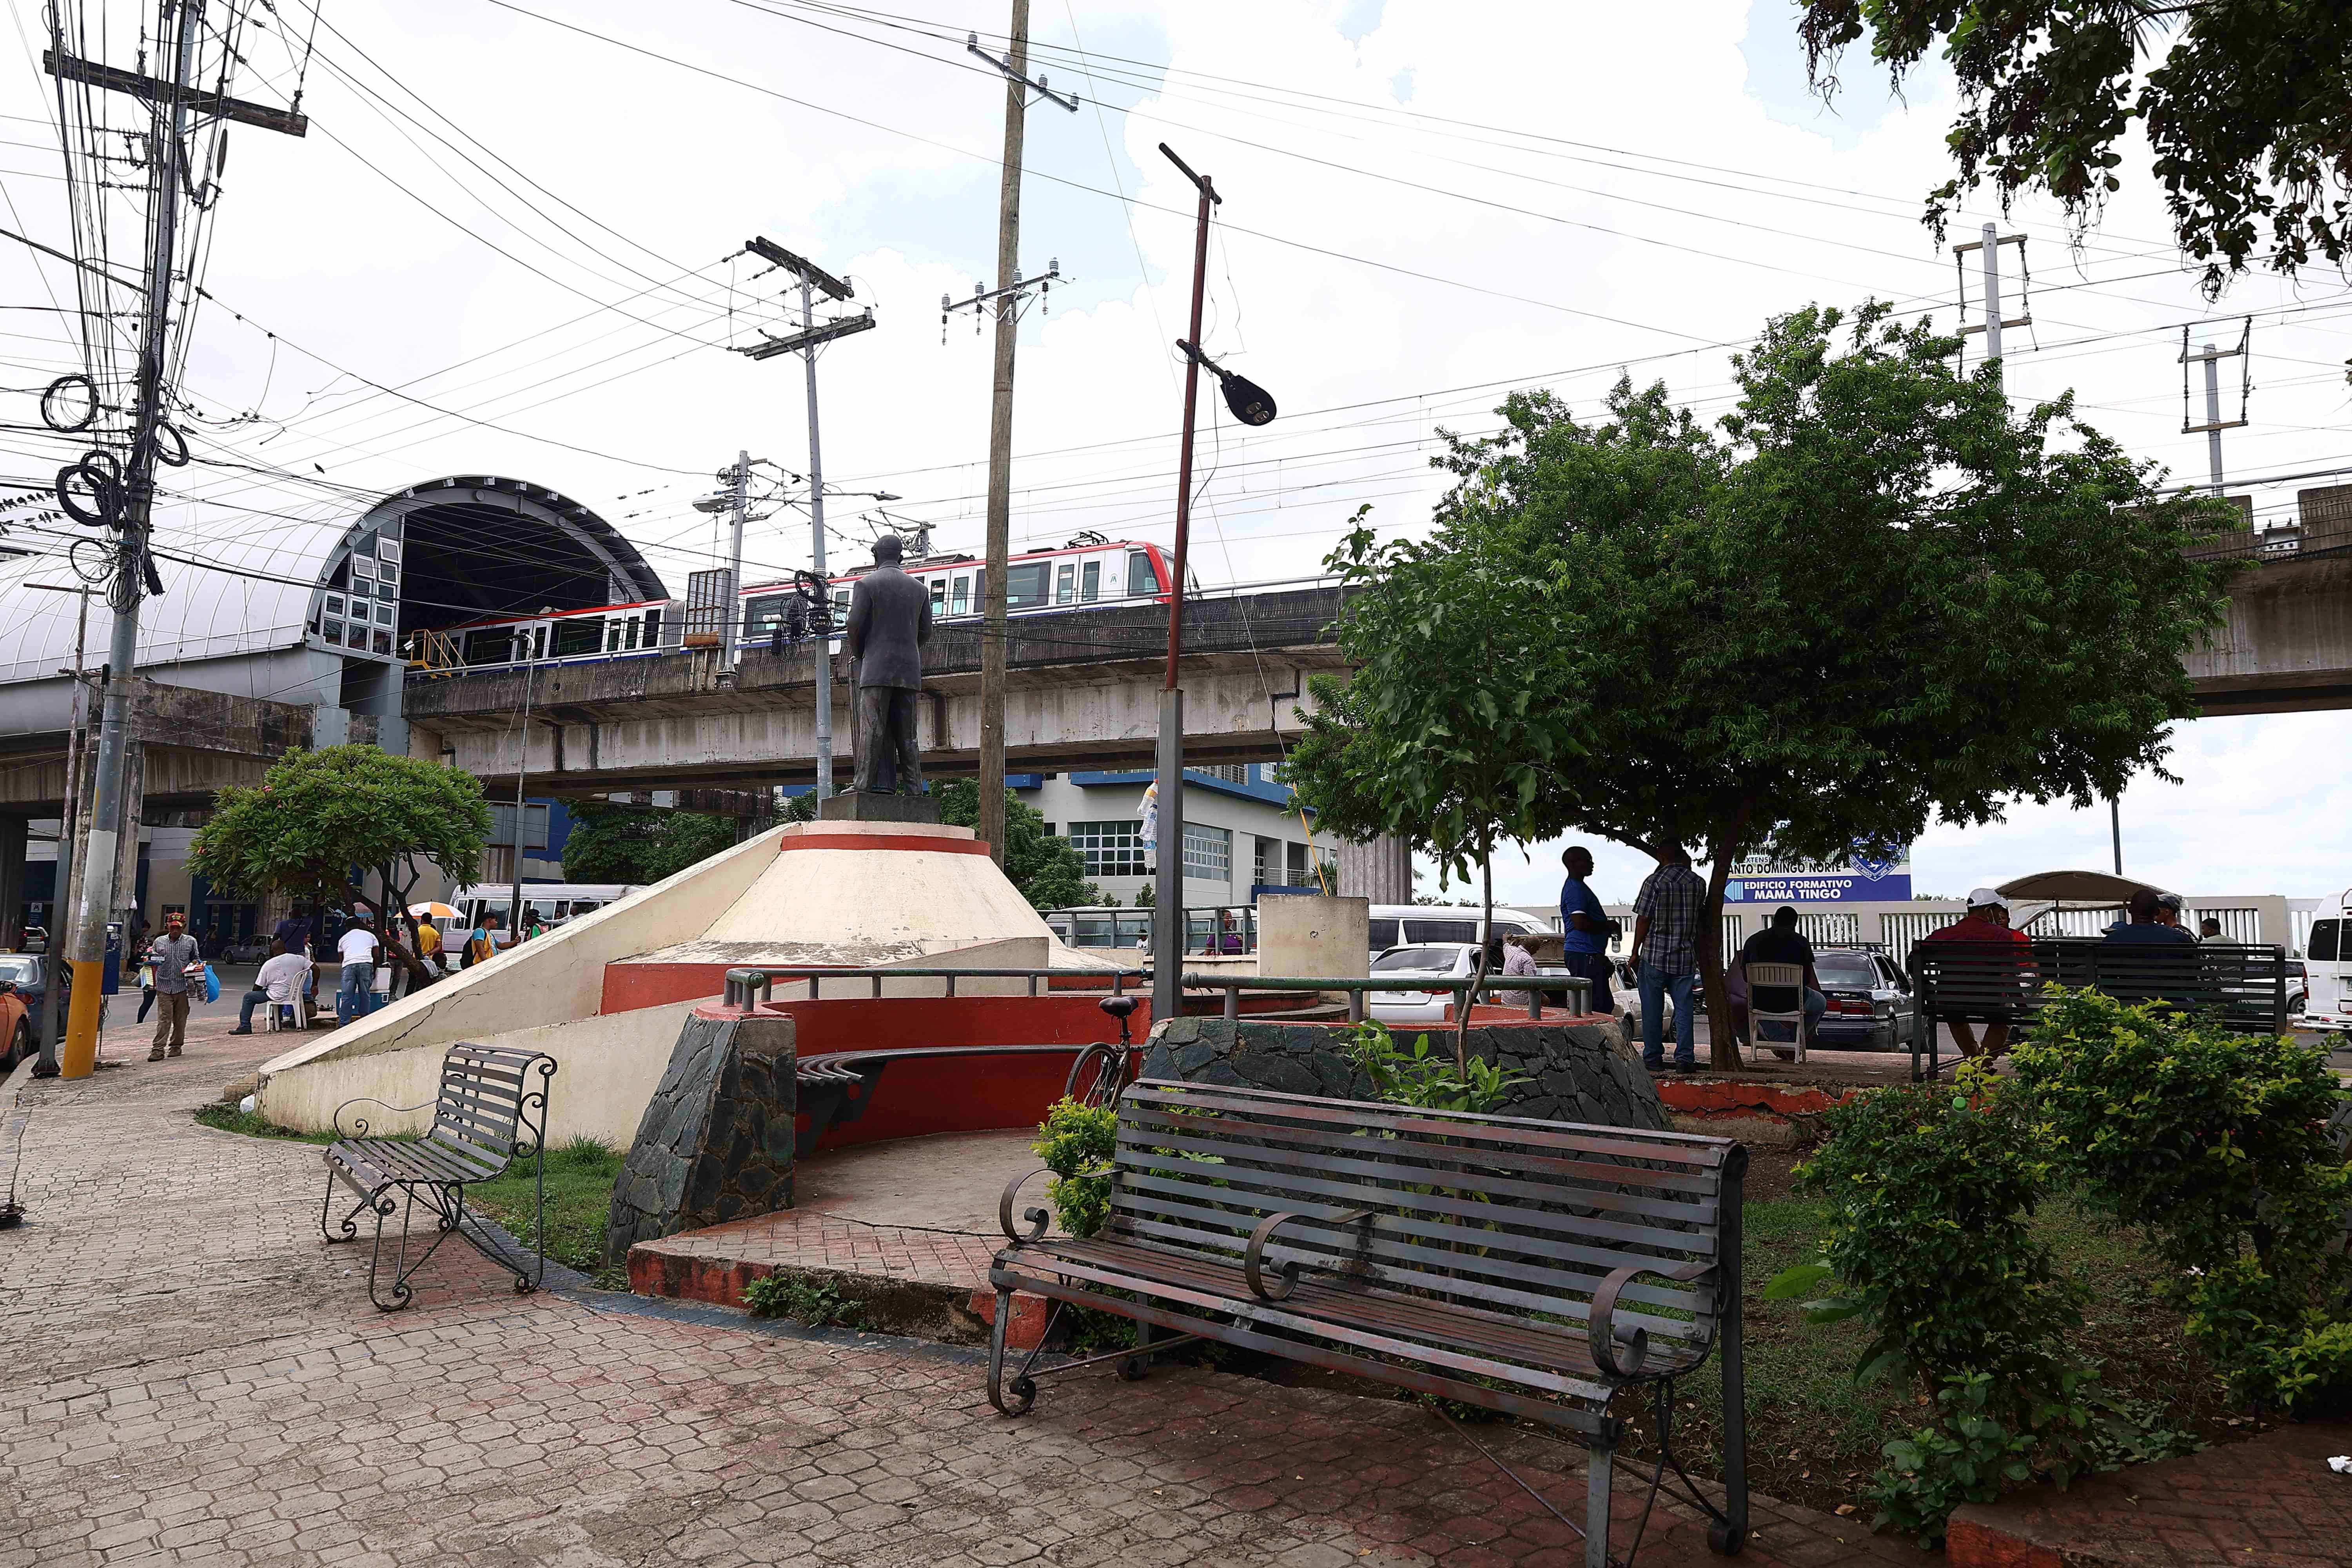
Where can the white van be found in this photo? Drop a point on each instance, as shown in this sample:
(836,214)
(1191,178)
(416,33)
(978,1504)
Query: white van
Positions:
(1403,925)
(2327,969)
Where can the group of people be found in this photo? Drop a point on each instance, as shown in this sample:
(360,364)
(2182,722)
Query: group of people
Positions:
(1667,917)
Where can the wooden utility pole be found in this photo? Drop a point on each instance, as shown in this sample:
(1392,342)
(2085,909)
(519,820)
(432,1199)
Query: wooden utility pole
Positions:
(1015,67)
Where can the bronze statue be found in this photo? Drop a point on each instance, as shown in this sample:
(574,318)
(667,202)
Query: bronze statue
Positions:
(890,622)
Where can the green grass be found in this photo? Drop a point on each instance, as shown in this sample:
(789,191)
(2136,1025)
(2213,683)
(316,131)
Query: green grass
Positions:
(579,1177)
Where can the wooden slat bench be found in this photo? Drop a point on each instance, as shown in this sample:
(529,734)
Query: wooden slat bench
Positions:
(2242,985)
(1534,1268)
(489,1113)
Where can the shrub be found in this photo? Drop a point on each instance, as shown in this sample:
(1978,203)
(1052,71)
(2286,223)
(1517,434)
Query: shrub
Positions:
(1077,1142)
(2212,1144)
(809,1302)
(1430,1080)
(1932,1194)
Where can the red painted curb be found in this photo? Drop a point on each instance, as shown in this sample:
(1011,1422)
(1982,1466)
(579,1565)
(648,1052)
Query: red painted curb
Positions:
(1970,1544)
(883,841)
(1027,1329)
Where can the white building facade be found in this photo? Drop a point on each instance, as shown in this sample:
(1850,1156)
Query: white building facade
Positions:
(1242,831)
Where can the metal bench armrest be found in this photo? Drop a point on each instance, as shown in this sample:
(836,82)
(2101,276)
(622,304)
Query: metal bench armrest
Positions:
(1601,1321)
(1038,1218)
(359,1123)
(1253,1259)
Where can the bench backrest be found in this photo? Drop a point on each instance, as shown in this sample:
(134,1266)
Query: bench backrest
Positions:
(1496,1213)
(492,1100)
(2244,983)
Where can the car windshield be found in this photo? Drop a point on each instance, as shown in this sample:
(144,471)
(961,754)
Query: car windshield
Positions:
(1437,958)
(17,968)
(1853,973)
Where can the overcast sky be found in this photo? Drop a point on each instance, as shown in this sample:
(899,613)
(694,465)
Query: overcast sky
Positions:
(531,229)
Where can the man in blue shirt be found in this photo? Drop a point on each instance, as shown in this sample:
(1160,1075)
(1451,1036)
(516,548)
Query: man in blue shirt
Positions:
(1585,927)
(2147,924)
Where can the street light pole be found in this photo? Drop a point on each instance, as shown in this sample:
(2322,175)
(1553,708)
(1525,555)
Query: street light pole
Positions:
(1167,913)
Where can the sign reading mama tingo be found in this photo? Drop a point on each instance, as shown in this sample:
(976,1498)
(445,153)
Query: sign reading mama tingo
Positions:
(1863,878)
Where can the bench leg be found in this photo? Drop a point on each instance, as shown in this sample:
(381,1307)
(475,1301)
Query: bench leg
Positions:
(1022,1393)
(1135,1366)
(1598,1466)
(345,1229)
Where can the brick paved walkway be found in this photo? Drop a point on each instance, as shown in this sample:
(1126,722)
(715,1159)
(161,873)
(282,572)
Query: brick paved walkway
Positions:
(192,1377)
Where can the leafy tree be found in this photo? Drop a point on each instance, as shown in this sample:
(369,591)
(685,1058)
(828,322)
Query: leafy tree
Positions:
(1050,874)
(1871,601)
(612,843)
(2247,110)
(321,823)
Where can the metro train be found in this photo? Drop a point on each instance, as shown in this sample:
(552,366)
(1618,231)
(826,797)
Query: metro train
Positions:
(1042,581)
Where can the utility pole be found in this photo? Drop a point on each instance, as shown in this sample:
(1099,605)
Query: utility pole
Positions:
(68,822)
(1167,899)
(994,628)
(169,104)
(2214,425)
(1990,240)
(730,631)
(805,341)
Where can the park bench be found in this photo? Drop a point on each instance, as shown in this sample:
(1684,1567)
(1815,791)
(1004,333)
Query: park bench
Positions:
(1533,1267)
(488,1114)
(2242,984)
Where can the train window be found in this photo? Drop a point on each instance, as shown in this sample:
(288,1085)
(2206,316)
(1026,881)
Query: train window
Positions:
(494,645)
(613,635)
(582,634)
(633,631)
(840,604)
(762,615)
(1066,582)
(1090,581)
(938,596)
(652,628)
(1024,587)
(1142,581)
(960,601)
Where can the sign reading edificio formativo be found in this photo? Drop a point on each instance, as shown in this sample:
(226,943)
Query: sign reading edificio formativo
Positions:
(1862,879)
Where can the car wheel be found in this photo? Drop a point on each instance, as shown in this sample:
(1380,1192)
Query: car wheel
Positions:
(20,1044)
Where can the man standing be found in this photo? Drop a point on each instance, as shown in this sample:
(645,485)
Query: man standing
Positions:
(357,945)
(1584,927)
(1985,926)
(889,621)
(172,952)
(278,982)
(1665,940)
(428,947)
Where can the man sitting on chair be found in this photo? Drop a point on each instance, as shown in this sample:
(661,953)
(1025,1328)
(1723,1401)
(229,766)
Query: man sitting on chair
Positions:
(279,982)
(1782,943)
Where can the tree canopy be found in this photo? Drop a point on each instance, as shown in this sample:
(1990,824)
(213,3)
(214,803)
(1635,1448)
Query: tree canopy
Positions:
(1868,599)
(2248,109)
(1049,872)
(320,822)
(612,843)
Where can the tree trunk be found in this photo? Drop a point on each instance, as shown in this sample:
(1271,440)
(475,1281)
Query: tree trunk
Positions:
(1722,1042)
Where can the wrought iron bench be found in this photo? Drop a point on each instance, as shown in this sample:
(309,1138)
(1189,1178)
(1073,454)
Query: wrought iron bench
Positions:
(488,1114)
(1534,1268)
(2242,985)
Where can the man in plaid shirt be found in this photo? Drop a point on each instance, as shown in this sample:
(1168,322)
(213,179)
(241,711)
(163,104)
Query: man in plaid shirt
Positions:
(1666,948)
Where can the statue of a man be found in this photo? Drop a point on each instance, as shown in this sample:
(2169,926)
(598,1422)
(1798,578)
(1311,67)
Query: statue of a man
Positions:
(890,622)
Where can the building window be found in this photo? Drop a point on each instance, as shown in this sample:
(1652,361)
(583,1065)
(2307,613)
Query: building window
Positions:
(1267,867)
(1208,853)
(1226,773)
(1109,848)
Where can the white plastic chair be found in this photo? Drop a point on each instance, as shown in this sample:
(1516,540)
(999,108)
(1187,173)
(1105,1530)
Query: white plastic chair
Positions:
(1766,976)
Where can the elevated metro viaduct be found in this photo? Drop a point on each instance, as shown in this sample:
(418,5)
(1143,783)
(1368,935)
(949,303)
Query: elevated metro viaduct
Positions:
(1082,692)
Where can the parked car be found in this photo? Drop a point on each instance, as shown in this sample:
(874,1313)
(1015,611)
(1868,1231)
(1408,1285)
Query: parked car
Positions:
(1434,961)
(20,995)
(37,939)
(1415,925)
(1871,1006)
(2298,988)
(245,950)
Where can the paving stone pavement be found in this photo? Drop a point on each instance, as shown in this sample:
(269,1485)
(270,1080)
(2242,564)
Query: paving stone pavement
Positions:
(191,1376)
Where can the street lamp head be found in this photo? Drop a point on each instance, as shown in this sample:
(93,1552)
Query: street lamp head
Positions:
(1251,404)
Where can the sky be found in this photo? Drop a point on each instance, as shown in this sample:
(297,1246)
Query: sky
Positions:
(512,243)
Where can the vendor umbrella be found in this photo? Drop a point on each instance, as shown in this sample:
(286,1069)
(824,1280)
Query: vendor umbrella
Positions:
(433,912)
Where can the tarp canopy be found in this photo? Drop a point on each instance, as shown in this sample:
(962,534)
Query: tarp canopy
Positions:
(2100,887)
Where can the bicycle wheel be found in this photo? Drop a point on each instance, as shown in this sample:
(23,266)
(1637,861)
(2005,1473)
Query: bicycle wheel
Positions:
(1097,1076)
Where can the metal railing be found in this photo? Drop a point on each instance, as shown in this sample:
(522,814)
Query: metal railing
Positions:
(743,984)
(1232,986)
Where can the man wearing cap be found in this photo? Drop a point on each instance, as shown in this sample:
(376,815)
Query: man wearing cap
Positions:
(172,953)
(1986,925)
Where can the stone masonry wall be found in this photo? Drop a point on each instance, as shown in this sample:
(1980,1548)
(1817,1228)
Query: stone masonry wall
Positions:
(716,1141)
(1575,1072)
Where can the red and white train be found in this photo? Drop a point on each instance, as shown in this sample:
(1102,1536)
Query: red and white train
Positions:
(1042,581)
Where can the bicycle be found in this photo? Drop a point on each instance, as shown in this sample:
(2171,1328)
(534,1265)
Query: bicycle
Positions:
(1103,1069)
